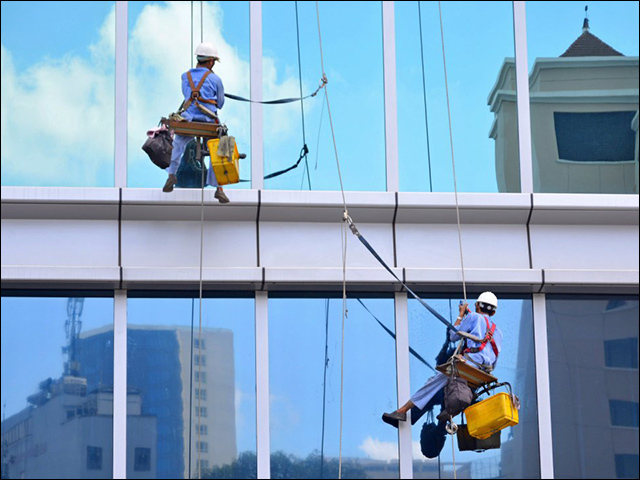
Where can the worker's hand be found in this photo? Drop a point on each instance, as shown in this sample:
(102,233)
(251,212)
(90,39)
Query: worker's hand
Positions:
(464,309)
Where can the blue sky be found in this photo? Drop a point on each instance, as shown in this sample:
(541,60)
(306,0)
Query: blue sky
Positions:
(76,51)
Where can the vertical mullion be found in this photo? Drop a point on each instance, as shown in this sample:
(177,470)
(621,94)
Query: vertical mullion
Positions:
(543,385)
(522,94)
(263,444)
(404,385)
(257,140)
(120,384)
(390,96)
(121,86)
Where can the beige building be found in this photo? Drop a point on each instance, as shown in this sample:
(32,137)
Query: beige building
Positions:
(584,121)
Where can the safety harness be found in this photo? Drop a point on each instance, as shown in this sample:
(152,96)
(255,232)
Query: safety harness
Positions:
(488,338)
(196,98)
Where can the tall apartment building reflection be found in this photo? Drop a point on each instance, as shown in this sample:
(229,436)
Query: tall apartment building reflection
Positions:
(159,367)
(66,431)
(584,121)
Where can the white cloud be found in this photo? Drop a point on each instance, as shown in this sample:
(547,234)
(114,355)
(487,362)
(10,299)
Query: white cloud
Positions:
(387,451)
(57,115)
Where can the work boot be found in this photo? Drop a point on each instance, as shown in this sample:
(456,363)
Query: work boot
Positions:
(170,183)
(393,418)
(220,195)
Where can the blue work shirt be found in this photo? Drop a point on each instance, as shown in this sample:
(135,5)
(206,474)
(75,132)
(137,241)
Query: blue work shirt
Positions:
(212,89)
(475,324)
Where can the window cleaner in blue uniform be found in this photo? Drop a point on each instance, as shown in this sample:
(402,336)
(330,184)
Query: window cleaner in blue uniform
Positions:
(483,354)
(203,96)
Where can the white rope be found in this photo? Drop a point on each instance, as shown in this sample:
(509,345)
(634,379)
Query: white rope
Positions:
(453,162)
(345,216)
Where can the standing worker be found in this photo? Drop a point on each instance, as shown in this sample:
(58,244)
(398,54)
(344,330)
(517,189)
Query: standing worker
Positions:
(203,96)
(483,354)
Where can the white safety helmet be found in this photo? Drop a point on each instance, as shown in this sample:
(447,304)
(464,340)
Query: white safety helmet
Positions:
(207,50)
(489,299)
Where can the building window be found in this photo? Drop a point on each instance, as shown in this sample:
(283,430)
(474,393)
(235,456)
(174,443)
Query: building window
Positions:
(197,343)
(201,412)
(202,430)
(200,360)
(202,447)
(595,136)
(204,465)
(201,394)
(201,377)
(94,458)
(621,353)
(142,461)
(627,466)
(623,413)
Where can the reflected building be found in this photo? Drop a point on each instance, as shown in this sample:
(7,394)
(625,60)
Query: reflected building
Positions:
(160,368)
(584,121)
(66,432)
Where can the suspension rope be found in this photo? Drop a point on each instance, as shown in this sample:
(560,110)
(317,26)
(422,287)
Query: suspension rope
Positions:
(304,137)
(453,162)
(324,382)
(424,91)
(345,216)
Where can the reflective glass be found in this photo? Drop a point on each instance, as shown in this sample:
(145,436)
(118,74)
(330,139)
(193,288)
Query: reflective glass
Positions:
(305,338)
(352,52)
(518,455)
(157,61)
(583,77)
(57,383)
(58,95)
(200,414)
(479,51)
(594,402)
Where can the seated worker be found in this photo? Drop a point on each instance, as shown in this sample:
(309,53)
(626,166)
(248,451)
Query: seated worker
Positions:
(476,324)
(203,96)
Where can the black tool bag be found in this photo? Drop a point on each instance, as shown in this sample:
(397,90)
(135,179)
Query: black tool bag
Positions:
(159,148)
(468,443)
(457,396)
(432,438)
(192,172)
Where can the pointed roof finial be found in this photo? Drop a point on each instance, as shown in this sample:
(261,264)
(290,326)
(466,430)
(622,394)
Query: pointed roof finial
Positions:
(585,24)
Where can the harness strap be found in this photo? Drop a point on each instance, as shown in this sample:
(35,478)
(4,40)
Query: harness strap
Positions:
(195,95)
(488,338)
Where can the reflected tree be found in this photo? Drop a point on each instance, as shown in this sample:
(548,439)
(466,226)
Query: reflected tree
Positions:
(285,465)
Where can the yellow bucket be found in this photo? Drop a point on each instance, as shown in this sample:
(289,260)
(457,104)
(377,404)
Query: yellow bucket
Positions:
(491,415)
(226,169)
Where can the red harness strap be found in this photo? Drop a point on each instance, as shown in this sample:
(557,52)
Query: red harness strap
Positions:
(488,338)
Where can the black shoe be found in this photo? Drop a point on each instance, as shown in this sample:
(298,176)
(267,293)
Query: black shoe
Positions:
(443,416)
(220,195)
(170,183)
(393,418)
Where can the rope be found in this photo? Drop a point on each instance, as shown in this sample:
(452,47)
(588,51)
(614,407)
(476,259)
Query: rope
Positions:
(304,137)
(324,382)
(424,90)
(453,162)
(453,456)
(345,216)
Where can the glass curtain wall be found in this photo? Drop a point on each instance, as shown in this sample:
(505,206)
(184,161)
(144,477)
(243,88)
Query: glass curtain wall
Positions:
(53,390)
(593,372)
(195,387)
(479,52)
(518,455)
(58,100)
(353,62)
(305,336)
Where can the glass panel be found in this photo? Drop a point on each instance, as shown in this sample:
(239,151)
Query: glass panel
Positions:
(157,62)
(218,433)
(58,95)
(478,41)
(518,456)
(352,51)
(584,96)
(304,373)
(57,383)
(594,408)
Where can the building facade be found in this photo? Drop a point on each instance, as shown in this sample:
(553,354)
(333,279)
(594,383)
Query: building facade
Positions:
(221,330)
